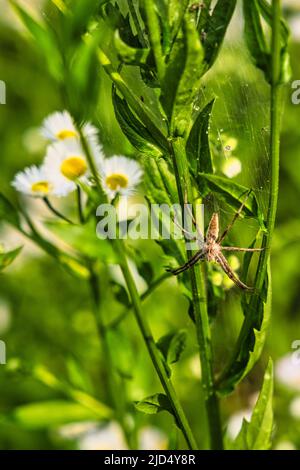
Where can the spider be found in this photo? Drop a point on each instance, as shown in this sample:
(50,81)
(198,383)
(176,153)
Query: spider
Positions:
(211,248)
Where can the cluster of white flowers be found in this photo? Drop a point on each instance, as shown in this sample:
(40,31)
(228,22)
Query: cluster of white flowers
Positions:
(66,163)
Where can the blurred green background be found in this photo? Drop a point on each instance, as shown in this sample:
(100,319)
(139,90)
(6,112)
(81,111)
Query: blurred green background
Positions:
(45,313)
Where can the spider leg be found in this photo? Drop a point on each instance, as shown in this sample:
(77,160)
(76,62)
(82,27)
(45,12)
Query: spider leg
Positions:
(199,256)
(236,216)
(235,248)
(222,261)
(191,237)
(200,234)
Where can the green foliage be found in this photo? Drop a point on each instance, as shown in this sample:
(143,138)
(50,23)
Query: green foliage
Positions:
(233,194)
(172,346)
(49,414)
(154,404)
(215,29)
(7,258)
(181,82)
(197,147)
(257,42)
(256,435)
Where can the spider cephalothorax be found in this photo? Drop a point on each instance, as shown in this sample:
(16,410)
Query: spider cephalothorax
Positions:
(211,248)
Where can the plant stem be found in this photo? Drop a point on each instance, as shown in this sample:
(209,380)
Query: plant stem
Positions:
(276,110)
(113,383)
(142,322)
(156,283)
(79,205)
(56,212)
(199,303)
(152,348)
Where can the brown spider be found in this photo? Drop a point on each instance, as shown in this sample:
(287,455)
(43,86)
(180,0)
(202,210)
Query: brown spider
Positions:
(211,247)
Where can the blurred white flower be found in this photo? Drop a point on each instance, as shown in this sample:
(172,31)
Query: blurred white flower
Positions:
(235,422)
(285,445)
(5,316)
(60,126)
(294,23)
(77,429)
(194,366)
(36,182)
(152,439)
(66,163)
(231,167)
(120,175)
(287,372)
(108,437)
(295,407)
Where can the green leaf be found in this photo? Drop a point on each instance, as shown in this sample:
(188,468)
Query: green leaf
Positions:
(255,38)
(135,131)
(44,39)
(83,239)
(181,83)
(257,42)
(154,404)
(8,213)
(172,345)
(197,147)
(7,258)
(256,435)
(130,55)
(233,194)
(215,29)
(48,414)
(258,309)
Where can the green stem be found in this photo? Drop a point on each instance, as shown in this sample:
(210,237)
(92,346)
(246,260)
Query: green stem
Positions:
(114,323)
(113,383)
(199,303)
(276,110)
(79,205)
(56,212)
(152,348)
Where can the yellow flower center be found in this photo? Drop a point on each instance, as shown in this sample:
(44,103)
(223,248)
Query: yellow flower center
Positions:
(73,167)
(66,134)
(116,181)
(41,187)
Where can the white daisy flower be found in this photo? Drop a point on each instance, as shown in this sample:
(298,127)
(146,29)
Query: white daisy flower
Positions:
(34,181)
(60,126)
(66,162)
(120,175)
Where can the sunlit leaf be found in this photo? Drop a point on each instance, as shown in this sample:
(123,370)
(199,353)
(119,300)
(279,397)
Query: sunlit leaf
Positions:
(154,404)
(215,29)
(233,194)
(48,414)
(7,258)
(181,83)
(135,131)
(197,148)
(256,435)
